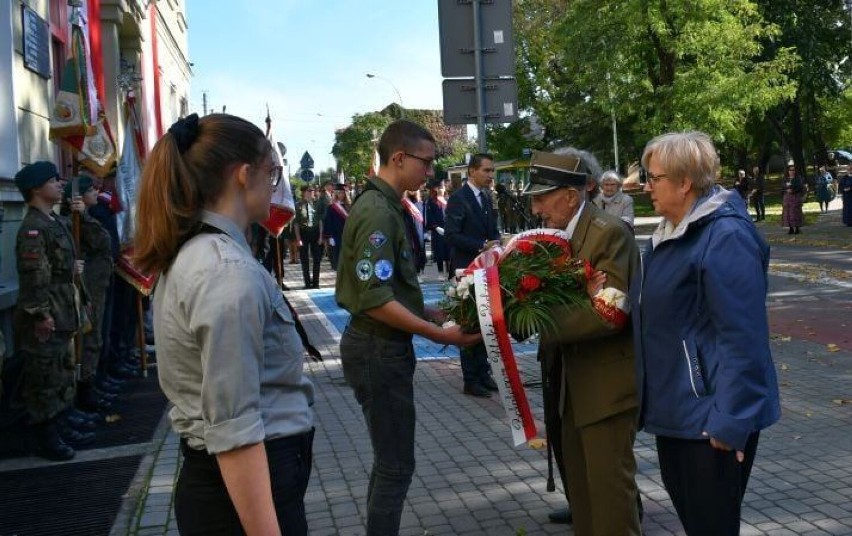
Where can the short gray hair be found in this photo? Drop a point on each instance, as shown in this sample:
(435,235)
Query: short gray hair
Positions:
(686,154)
(611,176)
(586,157)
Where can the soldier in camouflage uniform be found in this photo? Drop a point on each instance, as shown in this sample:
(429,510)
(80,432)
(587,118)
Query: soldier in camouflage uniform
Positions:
(47,314)
(96,251)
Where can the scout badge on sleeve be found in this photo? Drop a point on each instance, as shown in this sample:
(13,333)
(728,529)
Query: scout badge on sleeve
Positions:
(364,269)
(384,270)
(378,239)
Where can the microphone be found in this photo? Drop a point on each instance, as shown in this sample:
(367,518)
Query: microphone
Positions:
(503,192)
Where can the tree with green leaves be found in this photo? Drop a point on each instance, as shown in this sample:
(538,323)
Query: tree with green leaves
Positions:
(657,65)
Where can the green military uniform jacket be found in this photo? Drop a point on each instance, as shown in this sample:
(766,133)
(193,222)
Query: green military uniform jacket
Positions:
(377,262)
(307,215)
(45,258)
(96,246)
(598,378)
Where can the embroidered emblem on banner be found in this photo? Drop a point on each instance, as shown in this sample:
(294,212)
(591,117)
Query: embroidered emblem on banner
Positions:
(367,253)
(378,239)
(384,270)
(364,270)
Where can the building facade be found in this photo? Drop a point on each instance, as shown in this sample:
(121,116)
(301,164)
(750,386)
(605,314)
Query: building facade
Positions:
(139,45)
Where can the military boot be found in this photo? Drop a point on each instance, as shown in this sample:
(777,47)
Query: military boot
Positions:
(49,444)
(81,424)
(74,438)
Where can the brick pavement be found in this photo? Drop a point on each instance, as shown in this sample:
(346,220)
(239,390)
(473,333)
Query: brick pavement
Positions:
(471,481)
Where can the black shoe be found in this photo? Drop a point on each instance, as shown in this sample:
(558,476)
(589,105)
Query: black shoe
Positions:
(78,423)
(489,383)
(562,517)
(80,414)
(49,445)
(108,387)
(790,231)
(124,372)
(797,230)
(74,438)
(315,285)
(104,395)
(474,389)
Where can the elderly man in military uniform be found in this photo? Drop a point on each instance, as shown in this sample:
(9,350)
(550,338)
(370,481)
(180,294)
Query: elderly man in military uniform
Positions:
(47,314)
(587,361)
(377,284)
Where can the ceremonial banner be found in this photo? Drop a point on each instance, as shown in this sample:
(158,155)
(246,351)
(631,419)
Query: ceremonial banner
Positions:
(283,207)
(495,336)
(128,173)
(125,269)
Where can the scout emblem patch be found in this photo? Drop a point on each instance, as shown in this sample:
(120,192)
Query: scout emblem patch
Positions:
(384,270)
(367,253)
(364,269)
(378,239)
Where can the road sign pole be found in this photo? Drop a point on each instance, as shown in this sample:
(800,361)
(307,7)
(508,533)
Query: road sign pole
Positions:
(480,83)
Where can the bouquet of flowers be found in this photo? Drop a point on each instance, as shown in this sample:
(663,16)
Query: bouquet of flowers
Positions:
(537,272)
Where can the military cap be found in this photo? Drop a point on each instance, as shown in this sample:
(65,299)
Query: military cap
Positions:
(84,184)
(35,174)
(550,171)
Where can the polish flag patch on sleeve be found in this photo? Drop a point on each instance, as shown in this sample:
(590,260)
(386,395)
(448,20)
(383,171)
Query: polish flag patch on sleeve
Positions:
(33,233)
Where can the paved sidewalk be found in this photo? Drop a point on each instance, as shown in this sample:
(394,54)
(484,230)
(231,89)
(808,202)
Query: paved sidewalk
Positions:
(471,481)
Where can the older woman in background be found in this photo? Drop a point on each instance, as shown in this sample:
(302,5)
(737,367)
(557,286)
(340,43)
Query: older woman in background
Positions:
(706,379)
(612,200)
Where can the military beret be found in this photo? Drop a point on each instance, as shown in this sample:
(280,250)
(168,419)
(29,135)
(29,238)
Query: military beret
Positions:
(84,184)
(550,171)
(35,174)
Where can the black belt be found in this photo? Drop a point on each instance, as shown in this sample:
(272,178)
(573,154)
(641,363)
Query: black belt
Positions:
(304,439)
(368,326)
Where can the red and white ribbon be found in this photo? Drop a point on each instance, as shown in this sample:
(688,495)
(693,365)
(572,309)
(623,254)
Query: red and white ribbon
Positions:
(495,336)
(413,210)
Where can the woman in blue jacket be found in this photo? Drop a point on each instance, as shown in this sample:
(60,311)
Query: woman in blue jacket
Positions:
(707,384)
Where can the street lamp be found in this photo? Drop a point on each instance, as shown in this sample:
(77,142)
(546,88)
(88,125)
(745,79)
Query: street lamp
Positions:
(398,96)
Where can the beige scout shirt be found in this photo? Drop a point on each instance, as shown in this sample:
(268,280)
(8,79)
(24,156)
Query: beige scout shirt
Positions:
(229,357)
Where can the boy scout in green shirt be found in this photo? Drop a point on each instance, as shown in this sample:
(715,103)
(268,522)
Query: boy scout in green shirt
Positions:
(377,284)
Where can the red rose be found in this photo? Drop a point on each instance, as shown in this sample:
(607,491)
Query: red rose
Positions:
(589,270)
(526,247)
(530,283)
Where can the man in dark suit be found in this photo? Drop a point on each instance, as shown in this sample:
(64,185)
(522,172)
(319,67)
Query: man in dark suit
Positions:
(587,361)
(471,227)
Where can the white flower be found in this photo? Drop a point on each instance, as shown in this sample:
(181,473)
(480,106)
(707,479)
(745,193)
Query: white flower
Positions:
(451,291)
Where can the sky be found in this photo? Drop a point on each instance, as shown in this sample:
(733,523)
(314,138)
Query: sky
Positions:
(308,59)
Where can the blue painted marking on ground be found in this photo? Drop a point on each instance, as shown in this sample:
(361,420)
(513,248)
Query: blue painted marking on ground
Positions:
(424,349)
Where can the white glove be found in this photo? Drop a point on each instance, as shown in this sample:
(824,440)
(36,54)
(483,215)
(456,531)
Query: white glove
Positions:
(331,242)
(440,230)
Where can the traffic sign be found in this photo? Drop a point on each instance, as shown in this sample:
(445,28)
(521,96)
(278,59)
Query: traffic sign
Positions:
(306,175)
(455,22)
(501,97)
(307,162)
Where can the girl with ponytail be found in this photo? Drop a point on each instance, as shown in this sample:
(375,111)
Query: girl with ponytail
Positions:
(229,358)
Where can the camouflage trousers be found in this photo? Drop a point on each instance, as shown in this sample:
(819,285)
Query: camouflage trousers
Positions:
(49,383)
(92,341)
